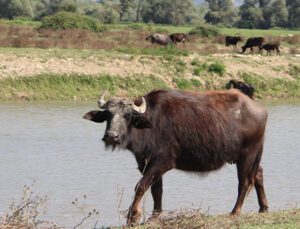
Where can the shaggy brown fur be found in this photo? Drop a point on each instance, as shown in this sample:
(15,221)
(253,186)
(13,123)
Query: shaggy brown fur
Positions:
(188,131)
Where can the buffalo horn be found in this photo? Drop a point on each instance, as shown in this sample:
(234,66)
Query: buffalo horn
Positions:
(101,100)
(140,109)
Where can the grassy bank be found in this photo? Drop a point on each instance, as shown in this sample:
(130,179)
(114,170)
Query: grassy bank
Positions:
(59,74)
(288,219)
(87,87)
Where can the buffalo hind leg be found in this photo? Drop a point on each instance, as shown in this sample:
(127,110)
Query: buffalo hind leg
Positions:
(260,191)
(243,188)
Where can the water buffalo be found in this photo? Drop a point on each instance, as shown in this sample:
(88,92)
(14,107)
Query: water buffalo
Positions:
(178,37)
(252,42)
(229,40)
(169,129)
(270,47)
(246,88)
(160,39)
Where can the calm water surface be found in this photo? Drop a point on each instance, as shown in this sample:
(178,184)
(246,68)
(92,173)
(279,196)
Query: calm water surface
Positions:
(50,146)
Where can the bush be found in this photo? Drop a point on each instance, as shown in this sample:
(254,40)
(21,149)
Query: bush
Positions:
(205,31)
(67,20)
(217,67)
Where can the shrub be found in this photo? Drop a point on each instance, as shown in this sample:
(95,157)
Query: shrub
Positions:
(182,83)
(200,68)
(217,67)
(67,20)
(205,31)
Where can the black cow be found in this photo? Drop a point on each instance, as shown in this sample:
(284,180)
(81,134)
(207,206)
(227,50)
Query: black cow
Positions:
(160,39)
(271,47)
(178,37)
(232,40)
(189,131)
(252,42)
(246,88)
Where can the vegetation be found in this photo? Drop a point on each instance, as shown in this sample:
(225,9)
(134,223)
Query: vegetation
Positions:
(288,219)
(250,14)
(70,87)
(68,20)
(205,31)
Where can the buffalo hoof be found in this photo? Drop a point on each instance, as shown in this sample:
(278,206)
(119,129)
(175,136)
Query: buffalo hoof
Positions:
(154,217)
(134,218)
(263,209)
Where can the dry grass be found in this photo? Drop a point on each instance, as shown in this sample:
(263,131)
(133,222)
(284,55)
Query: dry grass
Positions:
(27,214)
(185,219)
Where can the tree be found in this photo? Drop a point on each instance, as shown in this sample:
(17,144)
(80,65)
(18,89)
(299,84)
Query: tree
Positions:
(251,15)
(15,8)
(168,11)
(279,13)
(221,11)
(124,8)
(294,13)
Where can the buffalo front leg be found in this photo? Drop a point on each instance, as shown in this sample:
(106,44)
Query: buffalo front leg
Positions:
(260,191)
(151,176)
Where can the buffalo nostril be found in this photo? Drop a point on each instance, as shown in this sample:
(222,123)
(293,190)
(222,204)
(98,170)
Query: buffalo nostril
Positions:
(112,135)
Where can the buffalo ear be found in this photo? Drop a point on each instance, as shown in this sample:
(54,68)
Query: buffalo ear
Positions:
(96,116)
(141,122)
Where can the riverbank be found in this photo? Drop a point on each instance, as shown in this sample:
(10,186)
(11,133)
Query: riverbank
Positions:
(67,74)
(195,219)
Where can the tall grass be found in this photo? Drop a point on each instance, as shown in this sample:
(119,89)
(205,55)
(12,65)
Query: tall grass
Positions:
(81,87)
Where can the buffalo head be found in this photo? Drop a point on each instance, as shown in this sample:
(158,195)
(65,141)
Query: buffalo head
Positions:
(120,115)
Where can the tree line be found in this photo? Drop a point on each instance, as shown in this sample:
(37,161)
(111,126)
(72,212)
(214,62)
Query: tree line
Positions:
(262,14)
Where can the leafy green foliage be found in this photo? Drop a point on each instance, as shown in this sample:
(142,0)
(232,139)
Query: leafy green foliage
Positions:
(217,67)
(205,31)
(67,20)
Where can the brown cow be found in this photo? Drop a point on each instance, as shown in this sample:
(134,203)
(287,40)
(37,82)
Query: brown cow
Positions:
(189,131)
(271,47)
(178,37)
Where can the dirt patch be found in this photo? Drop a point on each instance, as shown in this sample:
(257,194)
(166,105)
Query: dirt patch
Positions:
(12,65)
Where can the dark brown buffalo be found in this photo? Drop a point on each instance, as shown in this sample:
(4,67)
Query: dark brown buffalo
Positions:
(178,37)
(246,88)
(160,39)
(252,42)
(229,40)
(271,47)
(189,131)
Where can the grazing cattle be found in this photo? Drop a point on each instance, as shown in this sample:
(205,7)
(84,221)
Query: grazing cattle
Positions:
(229,40)
(178,37)
(160,39)
(252,42)
(189,131)
(247,89)
(271,47)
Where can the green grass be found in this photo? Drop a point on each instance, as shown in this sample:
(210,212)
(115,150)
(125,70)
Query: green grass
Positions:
(227,31)
(157,51)
(69,87)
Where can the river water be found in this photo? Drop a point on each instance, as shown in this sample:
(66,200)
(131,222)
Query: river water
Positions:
(49,146)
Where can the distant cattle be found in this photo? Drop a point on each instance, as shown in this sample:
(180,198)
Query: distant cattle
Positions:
(232,40)
(252,42)
(160,39)
(246,88)
(178,37)
(191,131)
(271,47)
